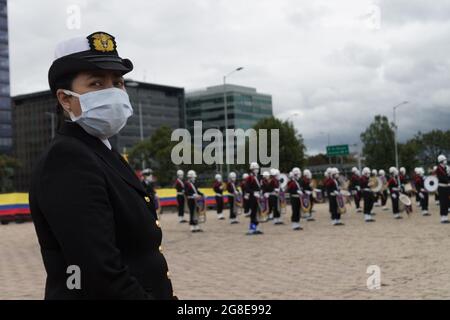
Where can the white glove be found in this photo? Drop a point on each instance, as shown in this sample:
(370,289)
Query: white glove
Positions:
(277,190)
(421,196)
(256,194)
(358,188)
(300,192)
(308,192)
(394,196)
(266,195)
(247,196)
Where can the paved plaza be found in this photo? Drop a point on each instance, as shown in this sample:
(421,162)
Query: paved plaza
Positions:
(320,262)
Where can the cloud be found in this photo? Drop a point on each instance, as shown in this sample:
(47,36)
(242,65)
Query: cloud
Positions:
(336,63)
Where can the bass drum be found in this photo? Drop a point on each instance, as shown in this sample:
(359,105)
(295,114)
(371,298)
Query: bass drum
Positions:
(318,195)
(405,203)
(431,184)
(306,202)
(341,204)
(283,179)
(263,209)
(201,209)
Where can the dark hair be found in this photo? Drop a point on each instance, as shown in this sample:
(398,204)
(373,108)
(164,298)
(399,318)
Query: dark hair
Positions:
(64,82)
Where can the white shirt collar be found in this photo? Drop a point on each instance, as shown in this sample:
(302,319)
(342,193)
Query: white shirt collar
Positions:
(106,142)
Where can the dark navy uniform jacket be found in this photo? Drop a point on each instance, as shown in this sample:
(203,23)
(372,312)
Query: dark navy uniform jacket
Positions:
(90,210)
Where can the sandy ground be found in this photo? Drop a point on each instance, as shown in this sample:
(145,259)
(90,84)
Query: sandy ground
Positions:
(320,262)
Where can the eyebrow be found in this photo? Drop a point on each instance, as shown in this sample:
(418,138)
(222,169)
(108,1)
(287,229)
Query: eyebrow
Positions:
(103,75)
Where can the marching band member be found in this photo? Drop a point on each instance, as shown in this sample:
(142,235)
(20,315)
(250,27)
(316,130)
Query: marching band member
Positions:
(266,189)
(179,186)
(245,195)
(415,179)
(443,174)
(384,192)
(367,195)
(402,178)
(254,189)
(147,182)
(326,175)
(218,189)
(355,188)
(333,190)
(419,182)
(306,187)
(376,196)
(232,193)
(394,190)
(274,191)
(436,196)
(295,191)
(192,193)
(149,185)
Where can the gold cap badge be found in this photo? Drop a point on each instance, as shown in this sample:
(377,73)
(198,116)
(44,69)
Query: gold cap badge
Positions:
(102,42)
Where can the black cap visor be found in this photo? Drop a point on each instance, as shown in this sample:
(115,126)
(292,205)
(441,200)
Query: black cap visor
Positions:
(87,62)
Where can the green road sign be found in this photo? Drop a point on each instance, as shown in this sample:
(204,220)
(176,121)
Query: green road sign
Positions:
(340,150)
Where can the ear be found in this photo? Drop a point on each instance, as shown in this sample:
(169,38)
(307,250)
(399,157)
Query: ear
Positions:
(64,99)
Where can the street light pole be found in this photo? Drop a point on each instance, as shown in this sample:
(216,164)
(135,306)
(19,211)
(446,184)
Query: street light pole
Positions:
(135,84)
(225,106)
(395,132)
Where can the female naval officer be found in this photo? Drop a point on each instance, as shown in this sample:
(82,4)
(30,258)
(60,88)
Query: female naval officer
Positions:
(99,235)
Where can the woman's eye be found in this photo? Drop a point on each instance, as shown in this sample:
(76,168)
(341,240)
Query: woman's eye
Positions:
(119,83)
(96,84)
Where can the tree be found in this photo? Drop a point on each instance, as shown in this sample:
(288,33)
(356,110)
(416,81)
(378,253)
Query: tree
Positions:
(317,159)
(292,147)
(408,154)
(8,166)
(156,151)
(432,144)
(378,143)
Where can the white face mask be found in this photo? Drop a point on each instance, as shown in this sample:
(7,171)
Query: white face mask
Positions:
(104,112)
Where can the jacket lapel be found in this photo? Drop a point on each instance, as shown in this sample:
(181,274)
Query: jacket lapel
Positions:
(111,157)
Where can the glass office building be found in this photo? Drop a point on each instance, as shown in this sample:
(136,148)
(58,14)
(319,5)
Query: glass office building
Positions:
(5,100)
(245,107)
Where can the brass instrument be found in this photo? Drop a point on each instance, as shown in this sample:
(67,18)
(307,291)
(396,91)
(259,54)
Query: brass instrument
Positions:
(347,196)
(344,183)
(409,189)
(313,184)
(385,184)
(375,184)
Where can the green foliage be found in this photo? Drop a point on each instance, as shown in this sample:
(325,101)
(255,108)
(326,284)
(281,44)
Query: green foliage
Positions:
(8,166)
(292,147)
(378,143)
(422,150)
(156,153)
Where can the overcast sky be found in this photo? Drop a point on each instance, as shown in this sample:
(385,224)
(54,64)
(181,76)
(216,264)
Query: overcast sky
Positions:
(335,63)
